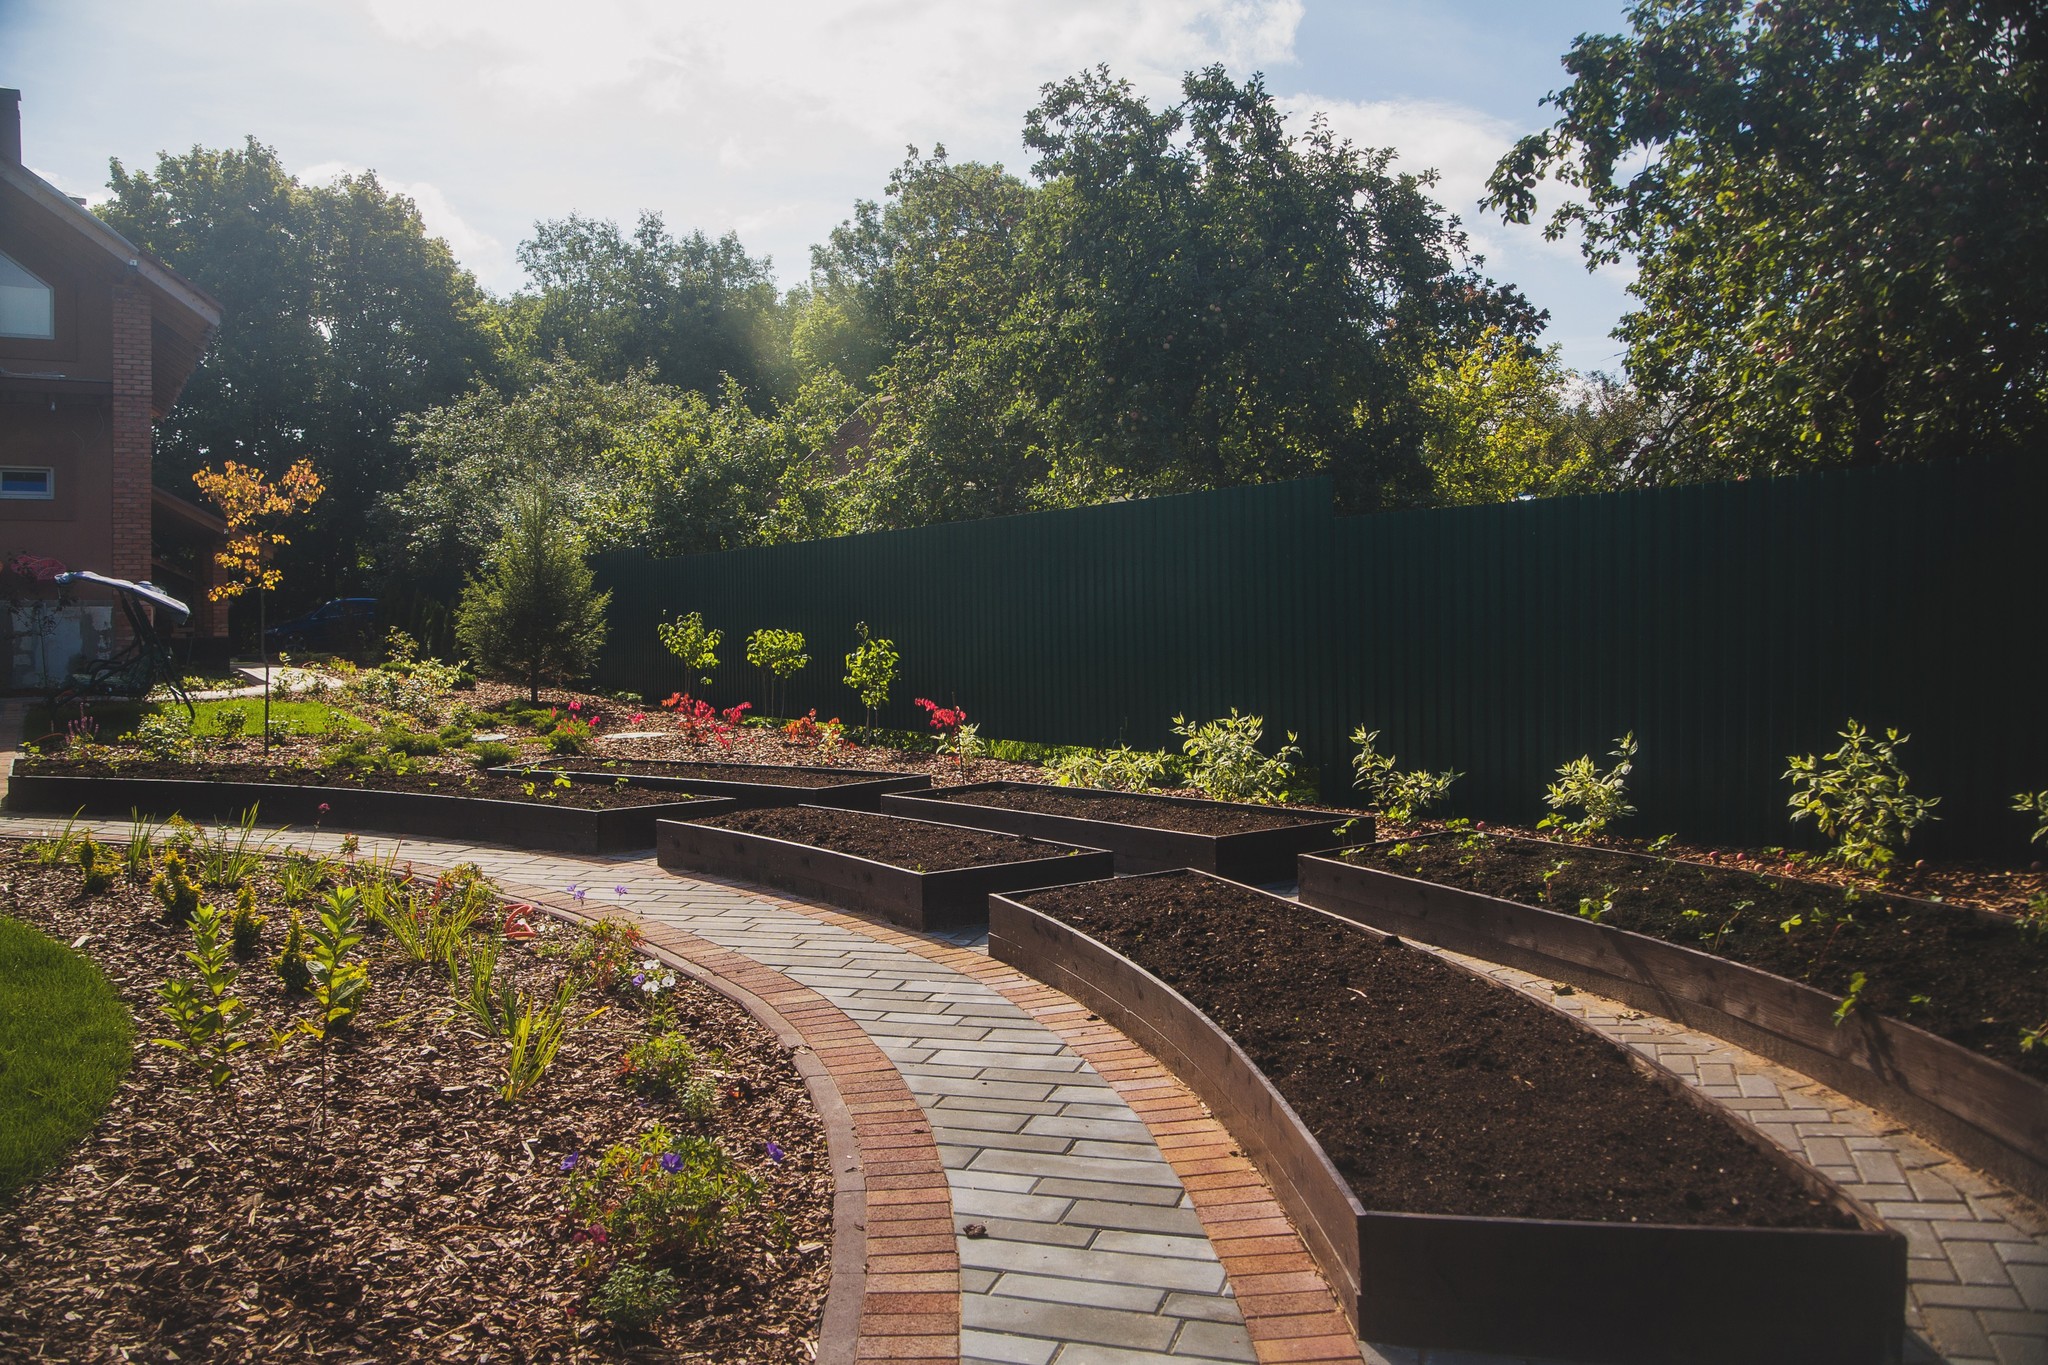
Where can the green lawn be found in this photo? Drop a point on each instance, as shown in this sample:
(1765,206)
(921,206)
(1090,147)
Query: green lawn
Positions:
(65,1043)
(305,717)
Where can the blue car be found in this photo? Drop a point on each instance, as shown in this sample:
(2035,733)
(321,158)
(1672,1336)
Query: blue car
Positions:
(340,626)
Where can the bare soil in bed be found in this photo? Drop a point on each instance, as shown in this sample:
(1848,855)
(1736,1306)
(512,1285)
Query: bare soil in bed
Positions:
(915,844)
(1977,980)
(1148,811)
(708,772)
(428,1220)
(490,786)
(1431,1090)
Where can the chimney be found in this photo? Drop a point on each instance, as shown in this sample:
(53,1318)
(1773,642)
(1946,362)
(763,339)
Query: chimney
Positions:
(10,127)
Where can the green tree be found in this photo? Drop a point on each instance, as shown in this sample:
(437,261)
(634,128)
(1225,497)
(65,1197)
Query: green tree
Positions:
(1839,209)
(340,314)
(693,308)
(534,613)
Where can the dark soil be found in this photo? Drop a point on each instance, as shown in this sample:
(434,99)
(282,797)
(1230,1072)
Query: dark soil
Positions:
(1432,1090)
(711,772)
(1149,811)
(491,786)
(915,844)
(1974,979)
(428,1220)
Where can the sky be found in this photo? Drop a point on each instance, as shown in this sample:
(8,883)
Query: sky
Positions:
(768,118)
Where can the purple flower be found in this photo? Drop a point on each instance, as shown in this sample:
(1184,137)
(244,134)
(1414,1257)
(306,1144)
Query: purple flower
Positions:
(775,1152)
(639,978)
(671,1163)
(620,891)
(577,891)
(569,1161)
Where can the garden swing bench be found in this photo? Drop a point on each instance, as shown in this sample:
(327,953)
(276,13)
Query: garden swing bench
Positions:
(144,662)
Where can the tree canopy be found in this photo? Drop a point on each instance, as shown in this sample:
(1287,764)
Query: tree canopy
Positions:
(1839,211)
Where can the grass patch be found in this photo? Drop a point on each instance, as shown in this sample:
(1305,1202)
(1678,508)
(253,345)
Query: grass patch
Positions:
(65,1043)
(304,717)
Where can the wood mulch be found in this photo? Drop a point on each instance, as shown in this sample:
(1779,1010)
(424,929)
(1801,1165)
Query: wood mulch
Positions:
(423,1218)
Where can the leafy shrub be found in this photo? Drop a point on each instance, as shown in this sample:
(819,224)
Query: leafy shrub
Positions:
(2036,804)
(164,735)
(174,890)
(871,670)
(779,653)
(634,1293)
(248,925)
(1120,769)
(533,1039)
(338,984)
(1224,762)
(687,639)
(1600,798)
(660,1192)
(290,962)
(1857,796)
(95,865)
(1399,796)
(206,1014)
(666,1064)
(231,724)
(491,753)
(605,952)
(570,735)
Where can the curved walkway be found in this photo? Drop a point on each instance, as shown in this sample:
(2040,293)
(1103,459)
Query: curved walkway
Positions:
(1098,1214)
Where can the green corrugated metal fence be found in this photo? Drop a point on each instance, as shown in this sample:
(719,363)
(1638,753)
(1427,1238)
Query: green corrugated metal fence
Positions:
(1728,625)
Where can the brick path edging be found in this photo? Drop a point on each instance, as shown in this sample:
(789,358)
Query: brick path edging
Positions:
(894,1291)
(1288,1308)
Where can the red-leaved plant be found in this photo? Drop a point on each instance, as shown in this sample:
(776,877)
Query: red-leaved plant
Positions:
(703,723)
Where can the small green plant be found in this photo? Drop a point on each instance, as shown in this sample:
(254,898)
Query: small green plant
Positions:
(248,925)
(1224,762)
(290,962)
(1400,796)
(692,644)
(206,1014)
(635,1293)
(138,854)
(2034,1037)
(95,865)
(666,1064)
(479,993)
(1857,796)
(605,952)
(1597,910)
(871,670)
(2033,921)
(1852,1001)
(660,1192)
(338,985)
(569,735)
(779,654)
(1600,798)
(300,874)
(165,736)
(226,857)
(2036,805)
(1120,769)
(62,849)
(174,890)
(535,1037)
(491,753)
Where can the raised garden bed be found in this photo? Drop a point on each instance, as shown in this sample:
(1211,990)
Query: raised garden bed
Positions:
(484,807)
(1147,833)
(379,1200)
(1470,1169)
(914,873)
(748,784)
(1932,1039)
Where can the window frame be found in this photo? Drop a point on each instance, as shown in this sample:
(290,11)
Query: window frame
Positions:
(49,473)
(49,290)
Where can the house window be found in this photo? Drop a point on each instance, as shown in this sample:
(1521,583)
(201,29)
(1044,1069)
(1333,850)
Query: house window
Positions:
(37,484)
(28,307)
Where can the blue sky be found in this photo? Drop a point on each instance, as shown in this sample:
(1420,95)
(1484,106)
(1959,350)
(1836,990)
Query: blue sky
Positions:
(766,118)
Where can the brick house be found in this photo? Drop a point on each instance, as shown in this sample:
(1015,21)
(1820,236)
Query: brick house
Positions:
(97,338)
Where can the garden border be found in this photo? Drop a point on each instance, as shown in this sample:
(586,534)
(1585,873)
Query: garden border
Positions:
(1261,855)
(523,824)
(1828,1295)
(862,795)
(1990,1115)
(925,901)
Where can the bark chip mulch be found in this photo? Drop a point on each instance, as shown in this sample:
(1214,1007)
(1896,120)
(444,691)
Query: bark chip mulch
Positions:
(1149,811)
(915,844)
(1431,1090)
(426,1219)
(1975,979)
(490,786)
